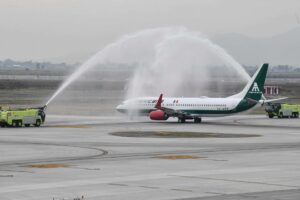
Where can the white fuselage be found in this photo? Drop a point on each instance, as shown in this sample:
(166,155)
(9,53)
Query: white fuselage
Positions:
(203,106)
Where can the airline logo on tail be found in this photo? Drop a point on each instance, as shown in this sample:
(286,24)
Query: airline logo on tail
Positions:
(255,89)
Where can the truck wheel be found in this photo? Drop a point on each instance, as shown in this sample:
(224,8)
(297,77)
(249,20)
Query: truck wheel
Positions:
(271,115)
(20,123)
(38,123)
(27,125)
(17,124)
(14,124)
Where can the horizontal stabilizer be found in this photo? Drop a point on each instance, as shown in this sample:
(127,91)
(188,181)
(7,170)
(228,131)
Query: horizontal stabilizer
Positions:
(271,100)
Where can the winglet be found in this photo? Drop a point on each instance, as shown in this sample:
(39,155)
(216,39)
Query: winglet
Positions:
(159,101)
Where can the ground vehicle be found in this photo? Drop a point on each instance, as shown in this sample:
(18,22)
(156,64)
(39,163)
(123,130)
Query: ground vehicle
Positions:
(282,110)
(20,117)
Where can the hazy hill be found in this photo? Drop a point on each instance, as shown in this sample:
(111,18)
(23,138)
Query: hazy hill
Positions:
(279,49)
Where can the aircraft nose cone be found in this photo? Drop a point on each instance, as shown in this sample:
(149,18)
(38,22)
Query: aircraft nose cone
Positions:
(120,108)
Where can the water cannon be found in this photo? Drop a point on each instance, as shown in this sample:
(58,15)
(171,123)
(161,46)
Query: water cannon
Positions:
(43,108)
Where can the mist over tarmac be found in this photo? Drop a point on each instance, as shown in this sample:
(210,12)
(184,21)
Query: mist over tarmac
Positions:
(172,60)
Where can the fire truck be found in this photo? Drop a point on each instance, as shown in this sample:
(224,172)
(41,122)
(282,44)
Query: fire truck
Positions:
(282,110)
(22,117)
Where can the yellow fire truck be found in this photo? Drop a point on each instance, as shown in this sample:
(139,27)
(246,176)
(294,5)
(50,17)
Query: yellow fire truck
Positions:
(20,117)
(282,110)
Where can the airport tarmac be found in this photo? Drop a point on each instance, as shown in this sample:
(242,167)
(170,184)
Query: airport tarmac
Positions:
(238,157)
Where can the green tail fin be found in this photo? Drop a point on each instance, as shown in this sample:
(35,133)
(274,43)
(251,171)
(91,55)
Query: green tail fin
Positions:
(255,87)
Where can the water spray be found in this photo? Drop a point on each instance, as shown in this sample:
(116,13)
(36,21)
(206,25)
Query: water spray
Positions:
(172,60)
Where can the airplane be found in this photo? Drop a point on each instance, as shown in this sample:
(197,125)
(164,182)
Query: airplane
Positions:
(196,108)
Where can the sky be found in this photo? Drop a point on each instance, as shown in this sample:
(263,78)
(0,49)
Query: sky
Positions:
(72,30)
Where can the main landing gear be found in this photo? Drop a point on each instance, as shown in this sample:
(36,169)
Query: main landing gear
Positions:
(196,120)
(181,120)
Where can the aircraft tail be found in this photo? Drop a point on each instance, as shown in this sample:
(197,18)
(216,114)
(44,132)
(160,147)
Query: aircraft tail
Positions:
(255,87)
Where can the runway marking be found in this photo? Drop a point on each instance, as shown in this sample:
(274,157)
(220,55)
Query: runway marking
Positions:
(85,168)
(182,190)
(71,126)
(238,181)
(117,184)
(218,160)
(20,171)
(218,193)
(280,194)
(178,157)
(100,152)
(179,134)
(6,176)
(150,187)
(47,166)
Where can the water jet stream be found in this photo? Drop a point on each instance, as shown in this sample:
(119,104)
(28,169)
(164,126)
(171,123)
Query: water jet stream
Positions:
(172,60)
